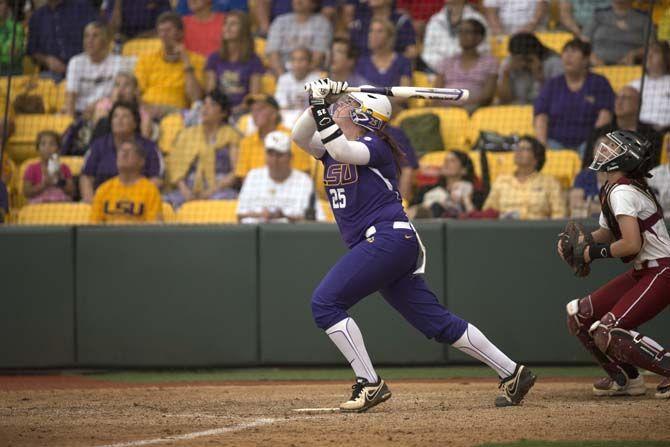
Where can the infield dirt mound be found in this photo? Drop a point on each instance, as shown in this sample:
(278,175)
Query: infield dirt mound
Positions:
(453,413)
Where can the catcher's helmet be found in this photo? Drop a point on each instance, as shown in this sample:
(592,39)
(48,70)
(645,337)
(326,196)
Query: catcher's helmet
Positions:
(368,110)
(622,150)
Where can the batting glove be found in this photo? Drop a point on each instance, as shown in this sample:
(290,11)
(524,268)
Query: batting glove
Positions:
(318,89)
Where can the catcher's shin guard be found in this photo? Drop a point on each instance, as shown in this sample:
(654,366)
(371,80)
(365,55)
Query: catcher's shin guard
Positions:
(580,318)
(631,347)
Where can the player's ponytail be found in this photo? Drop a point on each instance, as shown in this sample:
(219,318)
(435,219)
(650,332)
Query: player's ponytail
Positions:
(398,155)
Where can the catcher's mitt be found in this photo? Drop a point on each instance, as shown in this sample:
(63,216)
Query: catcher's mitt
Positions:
(573,240)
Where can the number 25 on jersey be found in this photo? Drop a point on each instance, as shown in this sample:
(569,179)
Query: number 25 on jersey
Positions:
(338,199)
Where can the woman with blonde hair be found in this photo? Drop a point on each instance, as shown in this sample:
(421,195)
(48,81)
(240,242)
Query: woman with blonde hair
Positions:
(235,69)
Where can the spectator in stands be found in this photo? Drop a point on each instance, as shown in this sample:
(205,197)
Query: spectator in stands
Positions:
(11,63)
(202,162)
(343,57)
(405,38)
(656,94)
(266,118)
(576,15)
(451,196)
(660,183)
(626,111)
(515,16)
(129,197)
(276,192)
(100,163)
(470,69)
(527,194)
(134,18)
(291,95)
(441,40)
(4,202)
(48,180)
(171,78)
(617,34)
(571,105)
(383,66)
(217,6)
(235,69)
(526,69)
(203,28)
(301,28)
(125,89)
(55,33)
(90,75)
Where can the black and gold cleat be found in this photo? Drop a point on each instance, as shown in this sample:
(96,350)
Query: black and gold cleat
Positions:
(515,387)
(366,395)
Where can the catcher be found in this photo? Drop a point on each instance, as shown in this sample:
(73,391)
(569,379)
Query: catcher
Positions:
(631,228)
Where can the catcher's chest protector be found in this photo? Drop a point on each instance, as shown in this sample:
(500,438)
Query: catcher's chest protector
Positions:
(644,224)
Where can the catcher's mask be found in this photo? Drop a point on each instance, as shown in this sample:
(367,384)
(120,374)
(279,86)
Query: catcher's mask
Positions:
(622,150)
(365,115)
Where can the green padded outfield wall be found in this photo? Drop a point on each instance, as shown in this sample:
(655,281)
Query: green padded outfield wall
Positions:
(37,296)
(506,278)
(167,296)
(293,260)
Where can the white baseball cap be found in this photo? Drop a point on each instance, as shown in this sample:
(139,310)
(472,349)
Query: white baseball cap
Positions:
(278,141)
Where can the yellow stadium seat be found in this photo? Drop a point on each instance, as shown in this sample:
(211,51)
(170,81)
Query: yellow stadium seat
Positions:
(564,165)
(555,40)
(21,145)
(499,163)
(454,125)
(52,94)
(505,120)
(55,214)
(499,46)
(432,159)
(327,210)
(268,84)
(139,47)
(665,147)
(169,127)
(619,75)
(168,213)
(208,212)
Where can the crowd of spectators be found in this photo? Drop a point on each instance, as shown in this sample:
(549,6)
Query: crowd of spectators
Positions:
(208,70)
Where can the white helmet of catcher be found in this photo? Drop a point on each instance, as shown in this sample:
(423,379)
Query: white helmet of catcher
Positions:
(368,110)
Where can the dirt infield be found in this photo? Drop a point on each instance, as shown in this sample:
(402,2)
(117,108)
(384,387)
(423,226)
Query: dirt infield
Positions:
(73,411)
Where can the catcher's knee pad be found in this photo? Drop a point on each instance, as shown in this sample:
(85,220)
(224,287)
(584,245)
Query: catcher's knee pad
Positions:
(632,347)
(601,331)
(580,315)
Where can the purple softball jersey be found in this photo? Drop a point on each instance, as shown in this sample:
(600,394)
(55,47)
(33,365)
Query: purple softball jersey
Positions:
(361,196)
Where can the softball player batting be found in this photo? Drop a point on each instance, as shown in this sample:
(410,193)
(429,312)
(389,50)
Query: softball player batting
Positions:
(631,228)
(386,254)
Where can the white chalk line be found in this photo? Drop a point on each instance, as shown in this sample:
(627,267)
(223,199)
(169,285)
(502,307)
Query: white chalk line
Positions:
(198,434)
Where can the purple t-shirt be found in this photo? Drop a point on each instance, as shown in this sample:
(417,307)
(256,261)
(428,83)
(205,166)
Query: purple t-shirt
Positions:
(362,195)
(405,145)
(100,161)
(400,66)
(359,28)
(572,115)
(233,78)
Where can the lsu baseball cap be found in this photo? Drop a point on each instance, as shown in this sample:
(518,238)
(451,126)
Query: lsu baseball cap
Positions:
(261,97)
(278,141)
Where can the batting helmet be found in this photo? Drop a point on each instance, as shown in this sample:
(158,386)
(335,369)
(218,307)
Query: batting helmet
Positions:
(368,110)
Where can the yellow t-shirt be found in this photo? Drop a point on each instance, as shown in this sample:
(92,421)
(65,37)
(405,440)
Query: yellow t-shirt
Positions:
(164,83)
(115,202)
(538,197)
(252,155)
